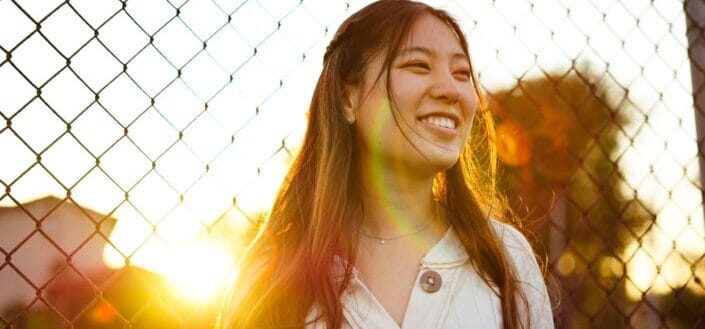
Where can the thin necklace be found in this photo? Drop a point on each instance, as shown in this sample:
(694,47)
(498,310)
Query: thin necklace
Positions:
(383,240)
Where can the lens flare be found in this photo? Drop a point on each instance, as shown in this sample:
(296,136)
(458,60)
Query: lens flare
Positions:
(199,273)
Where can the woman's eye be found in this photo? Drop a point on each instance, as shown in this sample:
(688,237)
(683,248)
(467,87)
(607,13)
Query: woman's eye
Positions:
(464,74)
(418,65)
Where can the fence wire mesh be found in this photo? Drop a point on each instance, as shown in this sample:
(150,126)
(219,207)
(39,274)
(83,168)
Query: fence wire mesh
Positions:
(141,138)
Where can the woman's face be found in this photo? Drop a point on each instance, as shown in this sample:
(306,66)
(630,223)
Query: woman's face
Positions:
(434,99)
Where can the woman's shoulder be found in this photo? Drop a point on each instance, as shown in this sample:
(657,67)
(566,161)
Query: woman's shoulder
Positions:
(510,236)
(529,273)
(517,246)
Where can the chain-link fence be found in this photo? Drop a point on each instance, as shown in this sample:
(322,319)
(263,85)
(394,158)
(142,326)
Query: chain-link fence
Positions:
(141,137)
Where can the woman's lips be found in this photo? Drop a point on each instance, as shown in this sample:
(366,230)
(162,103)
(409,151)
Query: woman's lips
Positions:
(443,132)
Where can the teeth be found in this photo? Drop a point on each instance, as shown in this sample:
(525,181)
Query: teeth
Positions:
(440,121)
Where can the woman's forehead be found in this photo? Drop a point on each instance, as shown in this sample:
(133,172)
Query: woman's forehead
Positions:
(429,35)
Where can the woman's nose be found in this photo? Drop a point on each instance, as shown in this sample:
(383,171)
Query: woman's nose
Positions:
(445,88)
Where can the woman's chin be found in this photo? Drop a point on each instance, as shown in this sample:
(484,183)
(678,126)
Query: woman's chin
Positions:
(445,165)
(444,159)
(441,162)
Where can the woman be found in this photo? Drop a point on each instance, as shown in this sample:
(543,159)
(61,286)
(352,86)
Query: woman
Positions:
(384,218)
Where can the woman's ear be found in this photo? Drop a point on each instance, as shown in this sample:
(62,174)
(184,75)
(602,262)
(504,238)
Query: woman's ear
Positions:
(349,103)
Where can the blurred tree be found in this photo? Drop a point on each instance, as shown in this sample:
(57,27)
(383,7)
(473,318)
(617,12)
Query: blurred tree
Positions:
(558,148)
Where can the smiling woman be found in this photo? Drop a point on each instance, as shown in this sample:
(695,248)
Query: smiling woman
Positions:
(433,99)
(389,217)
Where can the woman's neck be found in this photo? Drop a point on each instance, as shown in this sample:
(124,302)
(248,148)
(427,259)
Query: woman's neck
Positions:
(396,204)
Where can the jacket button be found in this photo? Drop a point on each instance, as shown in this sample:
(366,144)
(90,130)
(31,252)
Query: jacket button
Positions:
(430,281)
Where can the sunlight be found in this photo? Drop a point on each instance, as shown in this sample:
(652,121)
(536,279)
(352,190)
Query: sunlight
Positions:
(198,273)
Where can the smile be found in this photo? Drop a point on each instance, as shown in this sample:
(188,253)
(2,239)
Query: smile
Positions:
(439,121)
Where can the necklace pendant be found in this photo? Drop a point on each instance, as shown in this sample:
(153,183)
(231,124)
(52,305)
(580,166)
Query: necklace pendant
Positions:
(381,241)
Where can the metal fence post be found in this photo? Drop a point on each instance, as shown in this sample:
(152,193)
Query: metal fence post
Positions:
(695,20)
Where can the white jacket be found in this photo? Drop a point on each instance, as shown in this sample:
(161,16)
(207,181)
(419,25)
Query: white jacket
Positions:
(463,300)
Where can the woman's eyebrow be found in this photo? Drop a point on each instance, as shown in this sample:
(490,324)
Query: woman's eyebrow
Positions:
(429,52)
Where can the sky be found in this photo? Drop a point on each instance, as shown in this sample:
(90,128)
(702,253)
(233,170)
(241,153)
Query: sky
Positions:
(185,131)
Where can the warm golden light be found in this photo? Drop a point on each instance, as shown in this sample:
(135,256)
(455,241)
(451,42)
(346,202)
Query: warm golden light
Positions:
(197,268)
(513,143)
(566,264)
(199,273)
(196,271)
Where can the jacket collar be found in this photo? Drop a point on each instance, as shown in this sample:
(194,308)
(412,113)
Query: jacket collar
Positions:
(448,252)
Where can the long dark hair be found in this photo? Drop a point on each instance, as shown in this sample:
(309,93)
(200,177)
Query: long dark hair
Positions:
(289,267)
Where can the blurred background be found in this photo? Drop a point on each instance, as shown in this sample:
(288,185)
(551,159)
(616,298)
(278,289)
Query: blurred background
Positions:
(141,139)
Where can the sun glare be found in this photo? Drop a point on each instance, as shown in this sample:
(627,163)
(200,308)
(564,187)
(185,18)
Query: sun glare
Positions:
(199,273)
(196,271)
